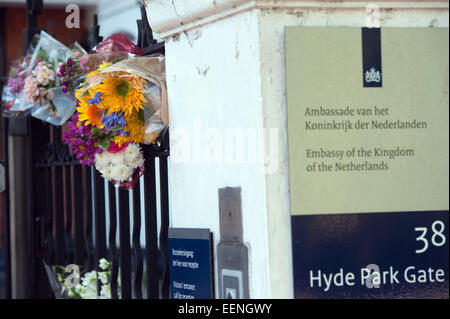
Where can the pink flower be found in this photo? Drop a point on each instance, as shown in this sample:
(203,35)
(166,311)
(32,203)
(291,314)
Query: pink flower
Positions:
(84,59)
(36,84)
(114,148)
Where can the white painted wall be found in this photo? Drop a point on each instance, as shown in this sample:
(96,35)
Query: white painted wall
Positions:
(226,67)
(202,78)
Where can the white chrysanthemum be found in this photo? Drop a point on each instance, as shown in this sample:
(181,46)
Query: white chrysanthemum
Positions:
(107,173)
(107,156)
(103,277)
(105,292)
(103,263)
(89,277)
(132,152)
(101,161)
(99,166)
(134,157)
(137,162)
(121,165)
(90,292)
(122,172)
(117,159)
(100,157)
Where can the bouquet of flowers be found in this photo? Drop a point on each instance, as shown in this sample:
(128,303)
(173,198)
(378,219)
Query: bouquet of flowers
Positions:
(114,48)
(38,87)
(16,80)
(118,42)
(121,165)
(68,71)
(45,93)
(69,65)
(69,284)
(120,106)
(13,99)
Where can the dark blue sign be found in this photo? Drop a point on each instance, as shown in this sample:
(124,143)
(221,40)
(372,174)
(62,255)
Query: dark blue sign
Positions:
(371,57)
(190,261)
(376,255)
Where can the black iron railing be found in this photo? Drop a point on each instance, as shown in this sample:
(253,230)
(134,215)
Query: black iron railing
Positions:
(71,213)
(5,269)
(76,215)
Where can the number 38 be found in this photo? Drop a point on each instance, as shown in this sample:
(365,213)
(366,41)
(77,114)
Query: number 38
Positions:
(437,239)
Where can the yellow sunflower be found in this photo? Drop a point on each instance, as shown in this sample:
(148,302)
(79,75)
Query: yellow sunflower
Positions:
(91,74)
(122,94)
(79,93)
(103,66)
(135,128)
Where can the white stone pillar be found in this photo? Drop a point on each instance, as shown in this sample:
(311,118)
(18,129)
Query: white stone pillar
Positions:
(226,69)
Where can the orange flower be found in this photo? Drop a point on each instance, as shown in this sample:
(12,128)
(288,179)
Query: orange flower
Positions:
(90,113)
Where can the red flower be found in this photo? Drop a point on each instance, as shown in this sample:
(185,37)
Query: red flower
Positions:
(114,148)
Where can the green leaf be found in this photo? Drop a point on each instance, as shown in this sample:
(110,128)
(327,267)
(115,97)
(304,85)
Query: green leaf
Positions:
(115,128)
(84,93)
(104,143)
(116,60)
(97,133)
(54,269)
(42,55)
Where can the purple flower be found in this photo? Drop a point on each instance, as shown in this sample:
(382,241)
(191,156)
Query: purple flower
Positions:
(80,79)
(79,139)
(96,99)
(69,62)
(15,85)
(114,119)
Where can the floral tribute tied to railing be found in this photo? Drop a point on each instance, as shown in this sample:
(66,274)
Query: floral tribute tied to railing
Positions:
(108,102)
(72,283)
(34,85)
(114,98)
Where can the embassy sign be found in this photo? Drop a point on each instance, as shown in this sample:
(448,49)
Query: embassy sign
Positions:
(373,255)
(368,161)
